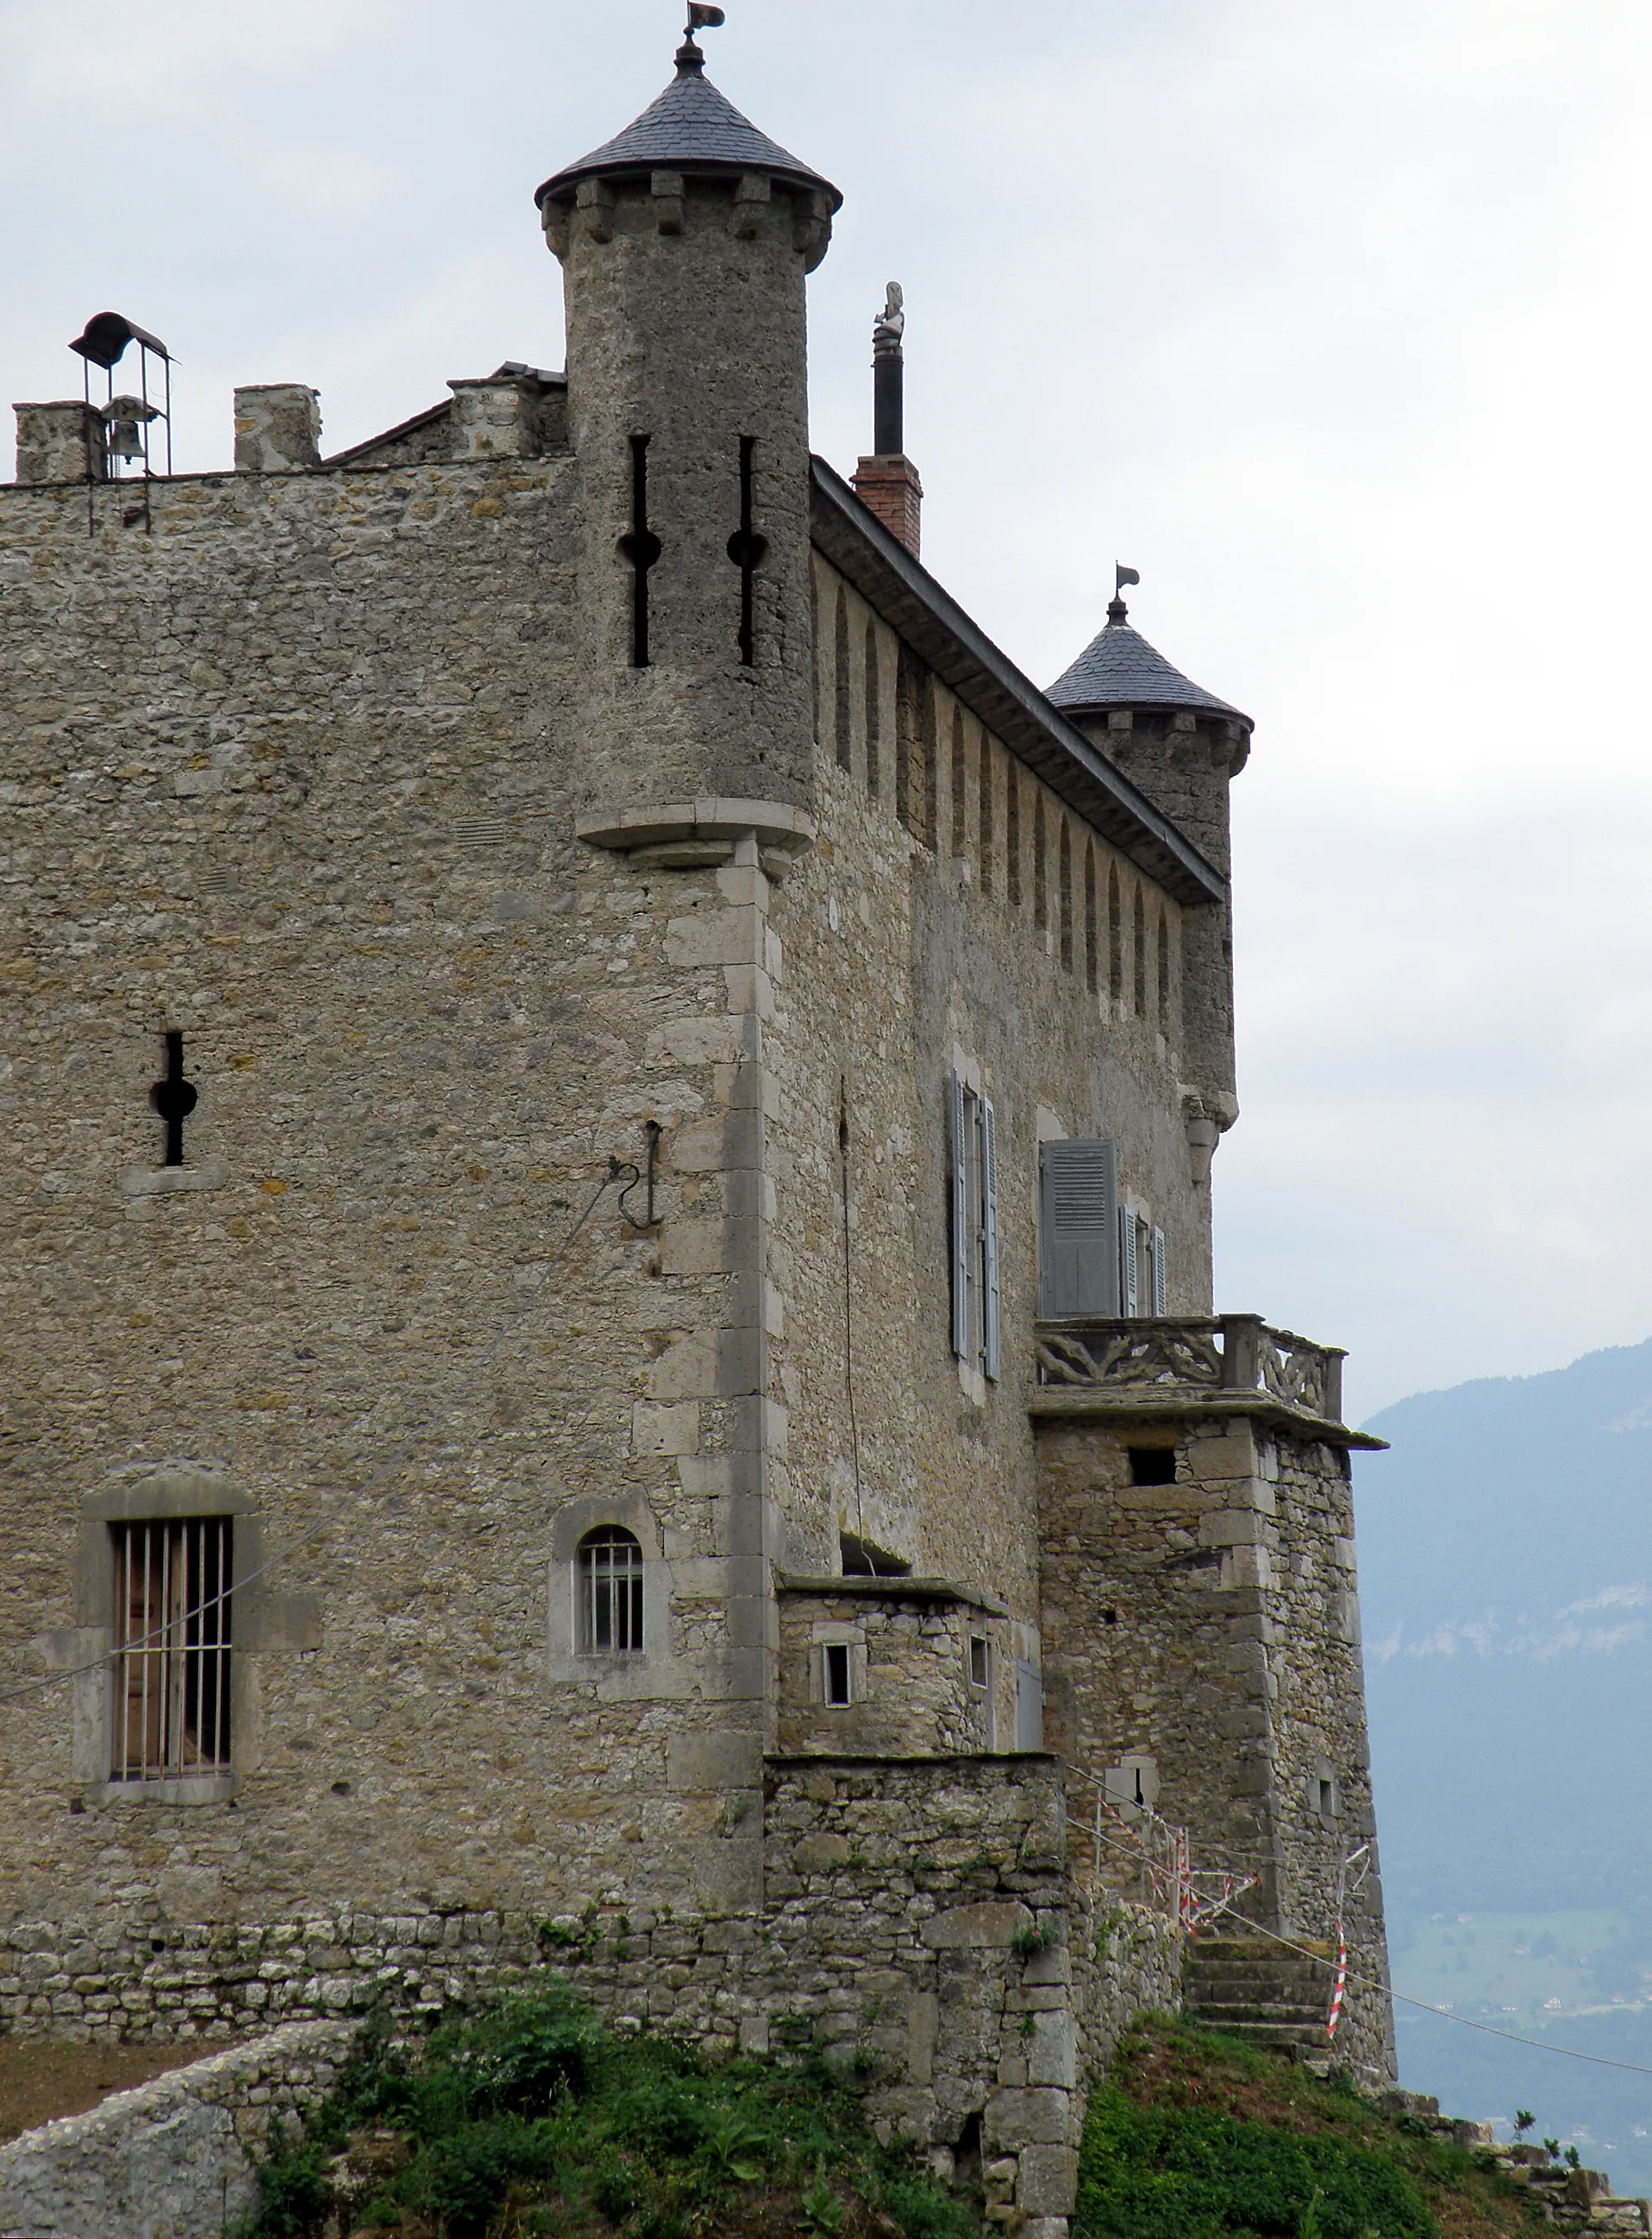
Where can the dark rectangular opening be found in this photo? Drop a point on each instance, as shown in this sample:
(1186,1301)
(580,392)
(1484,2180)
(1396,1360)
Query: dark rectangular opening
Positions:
(861,1558)
(1152,1464)
(979,1667)
(835,1659)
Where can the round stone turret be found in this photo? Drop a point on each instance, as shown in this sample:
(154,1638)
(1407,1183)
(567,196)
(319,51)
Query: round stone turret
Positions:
(1182,746)
(685,243)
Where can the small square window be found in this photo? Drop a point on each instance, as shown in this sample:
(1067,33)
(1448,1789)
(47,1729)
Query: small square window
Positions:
(834,1657)
(980,1666)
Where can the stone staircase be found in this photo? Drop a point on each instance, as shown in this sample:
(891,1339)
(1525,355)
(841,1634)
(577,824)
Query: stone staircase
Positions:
(1250,1988)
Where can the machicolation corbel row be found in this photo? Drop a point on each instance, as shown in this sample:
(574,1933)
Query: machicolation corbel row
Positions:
(859,1560)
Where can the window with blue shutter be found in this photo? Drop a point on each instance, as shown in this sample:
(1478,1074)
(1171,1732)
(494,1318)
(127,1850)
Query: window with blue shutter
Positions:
(972,1129)
(989,1343)
(1129,1299)
(963,1225)
(1155,1266)
(1077,1228)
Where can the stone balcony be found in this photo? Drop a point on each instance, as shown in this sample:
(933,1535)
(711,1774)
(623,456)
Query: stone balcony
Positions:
(1217,1364)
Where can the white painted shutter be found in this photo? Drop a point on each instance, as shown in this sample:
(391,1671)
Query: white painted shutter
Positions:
(1077,1228)
(990,1345)
(963,1224)
(1156,1257)
(1128,1293)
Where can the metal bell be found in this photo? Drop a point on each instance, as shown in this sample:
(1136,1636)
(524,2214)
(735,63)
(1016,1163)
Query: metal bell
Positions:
(124,418)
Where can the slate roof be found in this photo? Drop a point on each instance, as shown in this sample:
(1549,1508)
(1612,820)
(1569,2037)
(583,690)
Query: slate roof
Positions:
(1120,669)
(692,127)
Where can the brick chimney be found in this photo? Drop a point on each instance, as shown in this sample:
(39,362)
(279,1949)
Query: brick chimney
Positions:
(887,483)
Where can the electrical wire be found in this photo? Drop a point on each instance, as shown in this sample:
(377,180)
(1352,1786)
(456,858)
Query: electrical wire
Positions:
(616,1173)
(1508,2037)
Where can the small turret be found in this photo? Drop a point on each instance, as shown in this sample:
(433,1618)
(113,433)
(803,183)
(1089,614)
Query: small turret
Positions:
(1183,747)
(685,243)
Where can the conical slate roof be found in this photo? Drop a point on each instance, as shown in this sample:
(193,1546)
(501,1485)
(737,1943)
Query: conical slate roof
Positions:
(1120,669)
(691,128)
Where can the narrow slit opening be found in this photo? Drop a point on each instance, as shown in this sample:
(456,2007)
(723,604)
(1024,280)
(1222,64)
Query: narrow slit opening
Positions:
(642,548)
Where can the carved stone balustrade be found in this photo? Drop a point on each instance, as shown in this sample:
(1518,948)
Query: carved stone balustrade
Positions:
(1222,1364)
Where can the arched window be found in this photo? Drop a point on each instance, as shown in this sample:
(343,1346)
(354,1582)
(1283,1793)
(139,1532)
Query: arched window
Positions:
(610,1564)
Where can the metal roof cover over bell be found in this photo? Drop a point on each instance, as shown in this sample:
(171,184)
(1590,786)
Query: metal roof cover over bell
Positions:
(692,127)
(1120,669)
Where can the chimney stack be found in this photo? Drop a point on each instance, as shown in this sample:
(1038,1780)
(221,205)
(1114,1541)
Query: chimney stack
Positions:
(887,483)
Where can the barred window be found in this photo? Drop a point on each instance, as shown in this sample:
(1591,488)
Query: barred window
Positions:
(172,1649)
(610,1568)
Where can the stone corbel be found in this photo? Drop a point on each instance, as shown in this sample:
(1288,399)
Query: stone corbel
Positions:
(752,195)
(595,205)
(1206,1120)
(555,219)
(699,834)
(666,189)
(812,226)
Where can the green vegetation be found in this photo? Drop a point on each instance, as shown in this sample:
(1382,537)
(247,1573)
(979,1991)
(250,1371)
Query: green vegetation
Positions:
(534,2119)
(533,2122)
(1196,2135)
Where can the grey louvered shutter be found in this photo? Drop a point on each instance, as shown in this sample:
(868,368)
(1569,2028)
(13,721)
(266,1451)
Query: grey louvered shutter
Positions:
(1128,1294)
(1156,1262)
(963,1221)
(990,1319)
(1077,1228)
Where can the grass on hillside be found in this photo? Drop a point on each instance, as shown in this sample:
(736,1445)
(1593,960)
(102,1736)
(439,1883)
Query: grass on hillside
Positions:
(1196,2135)
(533,2122)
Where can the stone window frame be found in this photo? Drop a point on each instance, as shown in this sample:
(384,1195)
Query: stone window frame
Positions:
(831,1632)
(568,1663)
(261,1623)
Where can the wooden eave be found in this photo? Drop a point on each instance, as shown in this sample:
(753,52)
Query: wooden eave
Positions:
(907,597)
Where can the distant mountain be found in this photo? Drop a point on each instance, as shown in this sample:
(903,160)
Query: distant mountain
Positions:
(1506,1586)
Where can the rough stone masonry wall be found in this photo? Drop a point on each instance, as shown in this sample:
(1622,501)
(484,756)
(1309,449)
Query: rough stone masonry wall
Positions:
(918,1916)
(911,1690)
(174,2159)
(909,947)
(293,774)
(1227,1655)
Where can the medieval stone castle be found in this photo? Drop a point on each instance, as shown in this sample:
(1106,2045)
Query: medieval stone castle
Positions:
(607,1320)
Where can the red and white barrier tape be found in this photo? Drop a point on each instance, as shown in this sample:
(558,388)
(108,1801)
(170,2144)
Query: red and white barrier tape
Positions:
(1342,1984)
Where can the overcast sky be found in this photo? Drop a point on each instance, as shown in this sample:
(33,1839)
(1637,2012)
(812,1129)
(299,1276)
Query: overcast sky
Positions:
(1329,316)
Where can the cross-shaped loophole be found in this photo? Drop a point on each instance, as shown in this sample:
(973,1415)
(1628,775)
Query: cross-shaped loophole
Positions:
(174,1097)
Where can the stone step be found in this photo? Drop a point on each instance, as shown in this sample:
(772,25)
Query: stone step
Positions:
(1309,2035)
(1259,1947)
(1292,2011)
(1239,1981)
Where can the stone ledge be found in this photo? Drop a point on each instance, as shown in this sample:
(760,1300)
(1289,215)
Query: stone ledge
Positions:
(161,1181)
(689,834)
(886,1589)
(1074,1404)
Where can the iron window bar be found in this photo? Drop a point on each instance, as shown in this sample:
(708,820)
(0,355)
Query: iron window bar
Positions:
(172,1649)
(610,1594)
